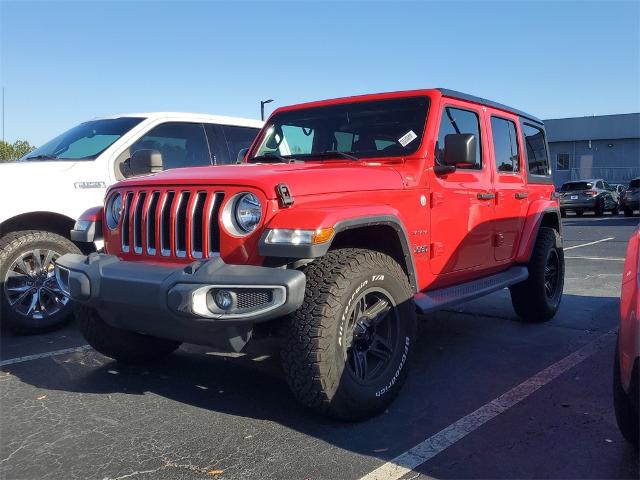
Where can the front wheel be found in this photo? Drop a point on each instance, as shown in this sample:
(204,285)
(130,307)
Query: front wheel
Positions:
(30,299)
(346,348)
(537,299)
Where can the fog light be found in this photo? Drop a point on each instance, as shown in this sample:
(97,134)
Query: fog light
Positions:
(223,299)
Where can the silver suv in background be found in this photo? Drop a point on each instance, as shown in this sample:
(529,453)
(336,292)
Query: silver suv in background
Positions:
(630,200)
(593,195)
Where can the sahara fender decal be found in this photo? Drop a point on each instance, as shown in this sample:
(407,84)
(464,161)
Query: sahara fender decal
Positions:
(314,251)
(531,227)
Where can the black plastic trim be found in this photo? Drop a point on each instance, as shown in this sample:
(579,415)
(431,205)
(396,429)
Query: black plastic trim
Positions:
(91,234)
(319,250)
(489,103)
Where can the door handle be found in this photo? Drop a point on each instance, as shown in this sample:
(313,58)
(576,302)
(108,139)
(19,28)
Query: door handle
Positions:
(486,196)
(521,195)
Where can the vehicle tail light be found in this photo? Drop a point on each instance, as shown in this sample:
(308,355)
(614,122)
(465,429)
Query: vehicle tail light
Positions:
(590,193)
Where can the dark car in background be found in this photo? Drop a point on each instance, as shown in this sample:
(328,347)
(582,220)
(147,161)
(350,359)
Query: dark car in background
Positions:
(630,200)
(593,195)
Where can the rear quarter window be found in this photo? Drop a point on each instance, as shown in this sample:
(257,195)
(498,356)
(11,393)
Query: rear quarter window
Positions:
(536,151)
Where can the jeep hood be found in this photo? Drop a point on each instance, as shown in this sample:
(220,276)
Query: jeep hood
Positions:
(302,178)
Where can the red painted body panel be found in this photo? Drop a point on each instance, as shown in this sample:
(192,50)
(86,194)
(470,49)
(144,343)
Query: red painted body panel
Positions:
(629,335)
(450,230)
(93,214)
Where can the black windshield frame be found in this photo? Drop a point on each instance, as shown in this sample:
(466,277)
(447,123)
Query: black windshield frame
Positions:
(377,129)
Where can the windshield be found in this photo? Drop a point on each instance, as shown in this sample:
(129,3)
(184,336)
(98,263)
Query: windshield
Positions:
(84,142)
(576,186)
(381,128)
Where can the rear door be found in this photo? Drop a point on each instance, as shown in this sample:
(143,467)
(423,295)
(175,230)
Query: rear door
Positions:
(462,202)
(511,202)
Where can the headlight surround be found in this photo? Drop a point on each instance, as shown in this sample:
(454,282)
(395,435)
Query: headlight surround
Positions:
(242,214)
(113,211)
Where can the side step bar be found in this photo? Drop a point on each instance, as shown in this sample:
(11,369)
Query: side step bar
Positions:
(437,299)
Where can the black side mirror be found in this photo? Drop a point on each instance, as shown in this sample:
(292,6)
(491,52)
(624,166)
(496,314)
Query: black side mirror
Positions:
(143,162)
(460,149)
(241,154)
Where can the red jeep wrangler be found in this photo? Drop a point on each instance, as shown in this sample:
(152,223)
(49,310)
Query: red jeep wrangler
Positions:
(348,217)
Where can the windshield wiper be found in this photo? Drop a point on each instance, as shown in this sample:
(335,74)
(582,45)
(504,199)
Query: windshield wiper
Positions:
(341,154)
(41,157)
(272,156)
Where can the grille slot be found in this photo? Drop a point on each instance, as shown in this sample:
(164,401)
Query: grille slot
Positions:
(182,224)
(137,222)
(151,223)
(197,215)
(165,224)
(253,298)
(125,221)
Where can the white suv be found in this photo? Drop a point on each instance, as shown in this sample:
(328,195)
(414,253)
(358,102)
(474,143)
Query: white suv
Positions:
(43,193)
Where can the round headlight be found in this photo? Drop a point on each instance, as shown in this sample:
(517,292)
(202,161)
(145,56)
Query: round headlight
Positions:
(113,212)
(248,212)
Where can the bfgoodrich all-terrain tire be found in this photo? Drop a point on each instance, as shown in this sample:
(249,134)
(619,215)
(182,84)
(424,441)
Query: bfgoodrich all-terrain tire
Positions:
(122,345)
(537,299)
(626,413)
(30,300)
(346,349)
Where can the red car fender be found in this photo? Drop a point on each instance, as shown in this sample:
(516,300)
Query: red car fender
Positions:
(537,210)
(629,335)
(93,214)
(313,219)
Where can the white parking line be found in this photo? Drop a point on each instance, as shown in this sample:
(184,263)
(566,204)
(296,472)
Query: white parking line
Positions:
(599,258)
(28,358)
(590,243)
(432,446)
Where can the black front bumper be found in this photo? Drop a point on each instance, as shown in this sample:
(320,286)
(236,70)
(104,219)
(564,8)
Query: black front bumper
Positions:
(178,302)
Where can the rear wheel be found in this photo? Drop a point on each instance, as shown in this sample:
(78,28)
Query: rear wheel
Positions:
(599,208)
(30,299)
(537,299)
(346,349)
(122,345)
(626,414)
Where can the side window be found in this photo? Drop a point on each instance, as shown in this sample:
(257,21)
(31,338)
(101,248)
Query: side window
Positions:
(455,120)
(505,145)
(537,159)
(238,138)
(562,161)
(181,144)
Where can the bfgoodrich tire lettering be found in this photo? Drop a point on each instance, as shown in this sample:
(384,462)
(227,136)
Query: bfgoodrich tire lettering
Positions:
(358,310)
(122,345)
(537,299)
(30,300)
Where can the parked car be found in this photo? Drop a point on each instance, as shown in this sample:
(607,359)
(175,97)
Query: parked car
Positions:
(341,226)
(626,371)
(44,192)
(619,188)
(631,198)
(588,195)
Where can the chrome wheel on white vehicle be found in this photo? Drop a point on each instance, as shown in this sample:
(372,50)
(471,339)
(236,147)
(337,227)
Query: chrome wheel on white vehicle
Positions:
(30,300)
(30,285)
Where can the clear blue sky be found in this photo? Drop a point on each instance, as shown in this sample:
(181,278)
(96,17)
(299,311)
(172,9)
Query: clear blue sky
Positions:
(64,62)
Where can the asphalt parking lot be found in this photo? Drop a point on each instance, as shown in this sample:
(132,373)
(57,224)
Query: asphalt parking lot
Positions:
(488,397)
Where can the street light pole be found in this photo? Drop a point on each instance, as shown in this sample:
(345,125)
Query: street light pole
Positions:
(262,104)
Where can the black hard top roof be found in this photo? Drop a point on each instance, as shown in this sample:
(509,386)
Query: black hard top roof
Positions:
(483,101)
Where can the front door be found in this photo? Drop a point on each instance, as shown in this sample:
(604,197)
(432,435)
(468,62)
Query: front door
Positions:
(511,202)
(461,203)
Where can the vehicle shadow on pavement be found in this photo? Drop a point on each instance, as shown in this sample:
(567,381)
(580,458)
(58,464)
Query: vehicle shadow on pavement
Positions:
(463,360)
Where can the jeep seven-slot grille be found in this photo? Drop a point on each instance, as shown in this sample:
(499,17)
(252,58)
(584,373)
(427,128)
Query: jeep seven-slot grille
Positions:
(179,223)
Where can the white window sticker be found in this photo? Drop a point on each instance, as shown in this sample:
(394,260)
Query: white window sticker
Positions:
(407,138)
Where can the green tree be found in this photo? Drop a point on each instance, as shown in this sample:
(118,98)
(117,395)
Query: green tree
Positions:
(10,152)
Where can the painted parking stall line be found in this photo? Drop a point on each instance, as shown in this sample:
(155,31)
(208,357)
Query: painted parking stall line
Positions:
(54,353)
(590,243)
(611,259)
(432,446)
